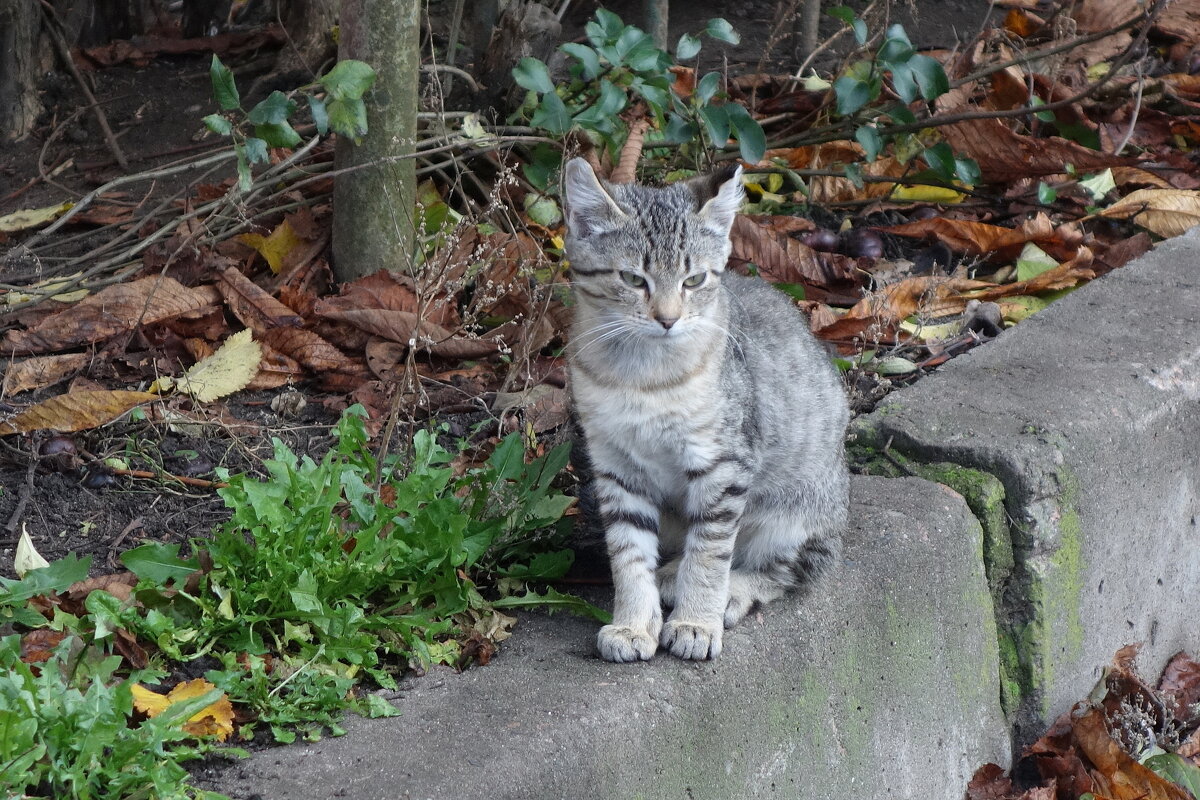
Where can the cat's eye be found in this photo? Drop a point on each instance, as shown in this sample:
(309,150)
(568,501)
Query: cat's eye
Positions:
(692,281)
(633,279)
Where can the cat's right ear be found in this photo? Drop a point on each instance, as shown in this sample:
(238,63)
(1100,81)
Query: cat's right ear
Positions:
(590,208)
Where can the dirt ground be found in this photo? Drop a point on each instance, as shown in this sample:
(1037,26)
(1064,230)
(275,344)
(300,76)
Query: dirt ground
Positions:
(155,111)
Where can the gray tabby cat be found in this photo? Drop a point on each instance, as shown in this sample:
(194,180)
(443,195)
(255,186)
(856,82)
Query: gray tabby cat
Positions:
(713,419)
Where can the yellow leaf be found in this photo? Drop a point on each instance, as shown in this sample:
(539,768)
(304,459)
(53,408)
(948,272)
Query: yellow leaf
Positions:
(926,194)
(27,556)
(1166,212)
(932,333)
(28,218)
(274,248)
(226,371)
(215,719)
(44,287)
(77,411)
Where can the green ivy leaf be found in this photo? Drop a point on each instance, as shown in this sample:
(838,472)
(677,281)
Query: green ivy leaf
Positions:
(348,80)
(218,124)
(1046,194)
(612,100)
(688,47)
(588,58)
(1176,769)
(719,28)
(320,114)
(716,121)
(707,87)
(272,111)
(930,76)
(656,92)
(278,134)
(852,94)
(609,23)
(552,114)
(967,171)
(751,140)
(903,82)
(224,88)
(348,118)
(869,138)
(256,150)
(940,159)
(896,49)
(532,74)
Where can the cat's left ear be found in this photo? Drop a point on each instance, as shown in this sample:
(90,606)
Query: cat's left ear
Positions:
(721,197)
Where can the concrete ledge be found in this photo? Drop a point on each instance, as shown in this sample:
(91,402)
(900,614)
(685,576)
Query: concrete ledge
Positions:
(1088,414)
(882,683)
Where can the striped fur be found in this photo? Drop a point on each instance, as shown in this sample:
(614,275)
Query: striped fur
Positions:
(713,419)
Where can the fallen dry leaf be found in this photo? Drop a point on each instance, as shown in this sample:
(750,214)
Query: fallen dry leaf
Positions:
(115,309)
(252,305)
(42,371)
(230,369)
(77,411)
(1166,212)
(1004,155)
(39,645)
(276,246)
(1181,681)
(29,218)
(215,719)
(1126,778)
(782,259)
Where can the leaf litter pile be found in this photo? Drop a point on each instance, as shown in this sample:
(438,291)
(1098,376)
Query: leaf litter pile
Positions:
(1128,741)
(114,305)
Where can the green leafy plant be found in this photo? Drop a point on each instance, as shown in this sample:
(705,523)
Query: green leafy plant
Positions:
(620,66)
(66,731)
(909,76)
(326,572)
(338,576)
(268,124)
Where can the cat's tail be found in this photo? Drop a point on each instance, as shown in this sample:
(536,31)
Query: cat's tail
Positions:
(751,586)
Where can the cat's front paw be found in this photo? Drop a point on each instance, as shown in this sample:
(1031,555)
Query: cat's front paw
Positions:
(697,641)
(622,643)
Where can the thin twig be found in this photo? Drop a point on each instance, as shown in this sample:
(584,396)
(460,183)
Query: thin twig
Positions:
(64,52)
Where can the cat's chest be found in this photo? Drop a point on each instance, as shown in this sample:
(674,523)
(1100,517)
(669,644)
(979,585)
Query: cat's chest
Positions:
(663,434)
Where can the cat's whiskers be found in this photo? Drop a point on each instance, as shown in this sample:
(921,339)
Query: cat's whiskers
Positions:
(614,329)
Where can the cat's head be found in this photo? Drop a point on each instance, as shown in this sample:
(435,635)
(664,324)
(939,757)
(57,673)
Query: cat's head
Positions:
(653,257)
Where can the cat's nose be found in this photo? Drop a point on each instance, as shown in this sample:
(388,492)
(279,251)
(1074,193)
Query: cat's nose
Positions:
(667,322)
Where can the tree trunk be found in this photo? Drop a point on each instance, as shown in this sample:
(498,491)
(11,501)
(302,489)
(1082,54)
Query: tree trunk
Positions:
(20,23)
(654,16)
(309,25)
(373,203)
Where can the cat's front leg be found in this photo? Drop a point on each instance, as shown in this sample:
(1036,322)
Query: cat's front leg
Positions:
(695,627)
(631,534)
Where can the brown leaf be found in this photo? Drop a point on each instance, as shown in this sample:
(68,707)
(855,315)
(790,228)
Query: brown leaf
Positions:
(968,236)
(39,645)
(782,259)
(1181,681)
(77,411)
(989,783)
(275,370)
(1064,276)
(1127,779)
(42,371)
(306,347)
(928,296)
(251,304)
(115,309)
(119,584)
(1166,212)
(1004,156)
